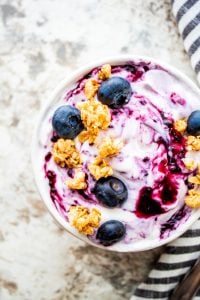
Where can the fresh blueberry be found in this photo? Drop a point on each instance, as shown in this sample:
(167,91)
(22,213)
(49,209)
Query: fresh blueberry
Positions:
(115,92)
(67,122)
(110,232)
(111,191)
(193,123)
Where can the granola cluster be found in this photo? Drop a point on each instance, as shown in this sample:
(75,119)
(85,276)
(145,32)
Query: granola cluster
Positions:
(193,142)
(78,182)
(91,88)
(100,168)
(95,116)
(110,147)
(105,72)
(88,135)
(180,125)
(66,154)
(194,179)
(193,198)
(83,219)
(189,164)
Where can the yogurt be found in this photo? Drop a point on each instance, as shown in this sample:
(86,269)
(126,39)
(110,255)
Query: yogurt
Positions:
(151,162)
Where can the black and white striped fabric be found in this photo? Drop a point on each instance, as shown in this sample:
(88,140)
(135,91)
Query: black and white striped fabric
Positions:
(180,255)
(172,266)
(187,14)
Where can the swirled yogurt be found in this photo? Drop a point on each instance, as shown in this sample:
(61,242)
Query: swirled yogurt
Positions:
(151,162)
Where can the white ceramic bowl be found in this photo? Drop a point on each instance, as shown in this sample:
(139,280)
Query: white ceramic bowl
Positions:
(43,186)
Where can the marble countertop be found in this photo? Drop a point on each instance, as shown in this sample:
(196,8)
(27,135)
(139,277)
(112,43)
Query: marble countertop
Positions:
(41,42)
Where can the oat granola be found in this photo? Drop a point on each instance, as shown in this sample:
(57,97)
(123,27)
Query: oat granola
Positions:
(91,88)
(100,168)
(78,182)
(105,72)
(110,147)
(194,179)
(66,154)
(180,125)
(83,219)
(193,199)
(193,142)
(89,135)
(95,116)
(189,164)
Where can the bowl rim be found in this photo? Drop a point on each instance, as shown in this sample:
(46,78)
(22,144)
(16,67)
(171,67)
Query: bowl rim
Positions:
(115,60)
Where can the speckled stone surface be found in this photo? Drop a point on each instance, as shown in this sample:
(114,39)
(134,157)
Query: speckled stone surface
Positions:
(41,42)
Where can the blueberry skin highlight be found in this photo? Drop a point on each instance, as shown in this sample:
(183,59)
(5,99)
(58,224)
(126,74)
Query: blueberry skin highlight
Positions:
(111,232)
(67,122)
(193,123)
(110,191)
(115,92)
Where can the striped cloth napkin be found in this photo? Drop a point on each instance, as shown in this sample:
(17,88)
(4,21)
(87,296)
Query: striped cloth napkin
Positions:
(187,14)
(180,255)
(174,263)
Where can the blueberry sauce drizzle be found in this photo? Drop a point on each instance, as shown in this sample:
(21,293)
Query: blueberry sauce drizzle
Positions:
(88,193)
(47,159)
(175,148)
(135,70)
(51,176)
(169,191)
(176,99)
(146,205)
(171,224)
(80,84)
(54,137)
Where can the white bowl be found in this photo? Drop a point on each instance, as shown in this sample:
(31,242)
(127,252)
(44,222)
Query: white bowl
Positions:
(44,189)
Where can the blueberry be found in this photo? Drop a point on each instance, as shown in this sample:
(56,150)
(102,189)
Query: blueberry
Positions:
(110,232)
(111,191)
(193,123)
(115,92)
(67,122)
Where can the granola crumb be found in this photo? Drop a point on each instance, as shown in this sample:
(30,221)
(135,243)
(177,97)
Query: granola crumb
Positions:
(66,154)
(100,168)
(194,179)
(189,164)
(180,125)
(84,220)
(91,88)
(105,72)
(94,116)
(193,199)
(78,182)
(110,147)
(88,135)
(193,142)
